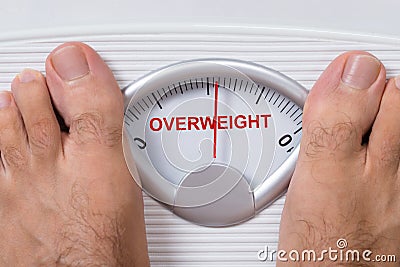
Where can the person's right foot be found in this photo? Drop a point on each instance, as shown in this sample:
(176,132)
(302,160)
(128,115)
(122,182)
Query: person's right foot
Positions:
(346,184)
(67,199)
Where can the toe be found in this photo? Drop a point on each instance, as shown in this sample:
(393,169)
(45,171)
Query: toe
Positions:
(384,142)
(13,140)
(342,106)
(33,100)
(86,94)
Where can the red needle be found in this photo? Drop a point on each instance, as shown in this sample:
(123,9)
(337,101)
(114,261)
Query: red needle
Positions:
(215,118)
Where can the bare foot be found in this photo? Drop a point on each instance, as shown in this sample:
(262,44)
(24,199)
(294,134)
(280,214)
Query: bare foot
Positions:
(67,199)
(346,183)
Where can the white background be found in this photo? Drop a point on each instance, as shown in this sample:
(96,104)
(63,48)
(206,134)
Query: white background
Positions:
(367,17)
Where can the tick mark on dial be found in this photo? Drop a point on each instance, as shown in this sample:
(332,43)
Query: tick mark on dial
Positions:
(165,93)
(208,87)
(269,101)
(290,150)
(251,88)
(298,130)
(287,112)
(285,106)
(151,102)
(158,103)
(133,114)
(298,116)
(180,88)
(259,96)
(136,110)
(159,95)
(129,117)
(266,95)
(141,106)
(276,99)
(294,112)
(281,102)
(247,83)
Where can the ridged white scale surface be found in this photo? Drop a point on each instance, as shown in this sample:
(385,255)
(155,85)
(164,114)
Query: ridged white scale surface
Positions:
(173,241)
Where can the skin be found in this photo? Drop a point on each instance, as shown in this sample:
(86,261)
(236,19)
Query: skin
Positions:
(67,198)
(346,183)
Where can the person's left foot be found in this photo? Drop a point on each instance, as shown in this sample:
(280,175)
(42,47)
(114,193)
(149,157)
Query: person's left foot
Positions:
(67,198)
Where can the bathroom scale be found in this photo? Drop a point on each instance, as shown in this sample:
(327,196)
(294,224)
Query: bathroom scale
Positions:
(214,92)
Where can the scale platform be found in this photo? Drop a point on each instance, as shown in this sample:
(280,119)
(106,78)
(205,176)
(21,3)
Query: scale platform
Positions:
(298,39)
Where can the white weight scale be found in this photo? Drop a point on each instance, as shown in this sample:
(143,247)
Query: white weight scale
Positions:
(296,39)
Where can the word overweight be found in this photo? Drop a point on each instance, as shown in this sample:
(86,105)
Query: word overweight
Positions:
(190,123)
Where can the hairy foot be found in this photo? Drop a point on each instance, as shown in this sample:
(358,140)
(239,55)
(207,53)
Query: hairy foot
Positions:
(67,198)
(346,183)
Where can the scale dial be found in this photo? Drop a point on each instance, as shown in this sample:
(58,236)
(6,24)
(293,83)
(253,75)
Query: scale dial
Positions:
(214,140)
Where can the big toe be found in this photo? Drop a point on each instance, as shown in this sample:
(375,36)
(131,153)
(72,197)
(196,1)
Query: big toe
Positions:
(85,93)
(342,106)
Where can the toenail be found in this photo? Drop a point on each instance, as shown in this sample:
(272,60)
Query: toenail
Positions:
(5,99)
(397,81)
(27,76)
(70,63)
(361,71)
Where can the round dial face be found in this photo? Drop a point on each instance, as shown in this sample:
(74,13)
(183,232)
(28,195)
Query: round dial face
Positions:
(204,136)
